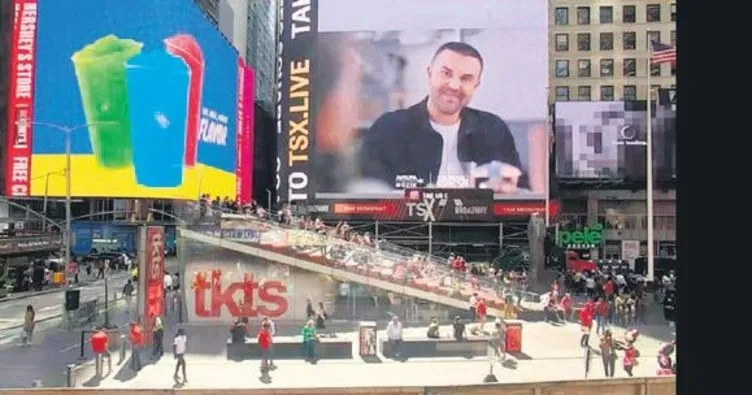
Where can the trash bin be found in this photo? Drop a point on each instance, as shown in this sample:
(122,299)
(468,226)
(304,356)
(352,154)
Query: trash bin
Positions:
(367,339)
(513,338)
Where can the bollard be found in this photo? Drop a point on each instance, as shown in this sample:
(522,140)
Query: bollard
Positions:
(69,375)
(82,345)
(122,349)
(99,365)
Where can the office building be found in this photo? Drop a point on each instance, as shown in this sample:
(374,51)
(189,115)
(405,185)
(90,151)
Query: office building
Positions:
(598,49)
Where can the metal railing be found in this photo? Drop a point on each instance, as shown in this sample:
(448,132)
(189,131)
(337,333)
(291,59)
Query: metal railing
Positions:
(337,251)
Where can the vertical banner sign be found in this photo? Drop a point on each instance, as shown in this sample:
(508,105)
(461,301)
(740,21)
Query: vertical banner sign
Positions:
(151,274)
(21,97)
(244,143)
(295,118)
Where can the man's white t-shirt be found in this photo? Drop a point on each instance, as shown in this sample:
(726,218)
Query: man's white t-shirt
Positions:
(167,281)
(451,173)
(180,343)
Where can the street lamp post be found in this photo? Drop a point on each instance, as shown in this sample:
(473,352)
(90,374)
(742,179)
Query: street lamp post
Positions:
(67,233)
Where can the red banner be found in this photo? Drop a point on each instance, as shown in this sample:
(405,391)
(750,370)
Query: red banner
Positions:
(155,256)
(21,98)
(244,145)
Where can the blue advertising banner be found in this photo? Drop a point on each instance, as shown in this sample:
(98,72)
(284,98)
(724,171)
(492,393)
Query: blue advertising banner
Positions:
(146,90)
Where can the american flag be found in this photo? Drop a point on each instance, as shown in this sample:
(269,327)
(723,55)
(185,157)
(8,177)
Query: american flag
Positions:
(662,53)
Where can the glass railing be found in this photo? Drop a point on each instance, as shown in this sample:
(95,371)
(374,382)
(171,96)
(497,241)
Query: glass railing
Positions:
(383,260)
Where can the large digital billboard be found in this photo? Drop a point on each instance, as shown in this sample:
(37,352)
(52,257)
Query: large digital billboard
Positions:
(376,97)
(608,139)
(147,96)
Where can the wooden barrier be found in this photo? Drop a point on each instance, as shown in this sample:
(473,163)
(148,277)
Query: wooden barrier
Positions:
(633,386)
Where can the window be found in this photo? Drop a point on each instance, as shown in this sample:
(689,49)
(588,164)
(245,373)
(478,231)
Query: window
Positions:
(653,13)
(629,14)
(583,41)
(607,41)
(562,93)
(673,38)
(583,68)
(562,68)
(607,67)
(583,93)
(583,15)
(630,92)
(655,70)
(630,67)
(673,12)
(561,16)
(630,40)
(607,14)
(562,42)
(607,92)
(653,36)
(654,91)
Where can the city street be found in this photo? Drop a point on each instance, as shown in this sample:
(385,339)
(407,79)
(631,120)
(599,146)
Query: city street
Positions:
(49,305)
(53,348)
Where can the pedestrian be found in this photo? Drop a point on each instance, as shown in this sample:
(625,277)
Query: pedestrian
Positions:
(99,345)
(630,358)
(158,349)
(128,296)
(499,340)
(601,311)
(310,312)
(394,336)
(265,344)
(137,341)
(481,312)
(179,345)
(608,353)
(309,341)
(321,315)
(586,324)
(28,326)
(272,332)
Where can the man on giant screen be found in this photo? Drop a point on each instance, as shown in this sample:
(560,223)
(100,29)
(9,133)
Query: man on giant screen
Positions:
(440,141)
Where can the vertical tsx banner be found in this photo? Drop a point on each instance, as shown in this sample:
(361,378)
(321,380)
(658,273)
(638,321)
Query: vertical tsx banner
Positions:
(295,117)
(152,269)
(21,97)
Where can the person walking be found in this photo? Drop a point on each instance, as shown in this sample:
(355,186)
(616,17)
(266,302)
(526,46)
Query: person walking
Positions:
(586,324)
(265,344)
(608,353)
(321,316)
(601,312)
(499,340)
(309,341)
(394,335)
(158,349)
(28,326)
(137,341)
(630,358)
(179,346)
(99,345)
(128,296)
(272,331)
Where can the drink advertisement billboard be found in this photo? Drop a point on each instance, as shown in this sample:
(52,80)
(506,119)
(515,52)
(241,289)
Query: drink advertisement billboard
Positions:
(376,97)
(147,96)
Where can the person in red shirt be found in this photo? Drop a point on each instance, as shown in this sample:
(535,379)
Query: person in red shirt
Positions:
(480,312)
(565,307)
(601,311)
(265,344)
(99,346)
(136,337)
(630,358)
(586,323)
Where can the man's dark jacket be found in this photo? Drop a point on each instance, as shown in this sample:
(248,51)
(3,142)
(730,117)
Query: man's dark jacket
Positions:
(403,142)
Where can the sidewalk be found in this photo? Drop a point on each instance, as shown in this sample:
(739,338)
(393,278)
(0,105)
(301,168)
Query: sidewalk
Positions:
(549,354)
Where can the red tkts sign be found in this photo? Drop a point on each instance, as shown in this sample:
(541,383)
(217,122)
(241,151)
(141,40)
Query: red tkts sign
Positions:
(155,253)
(238,297)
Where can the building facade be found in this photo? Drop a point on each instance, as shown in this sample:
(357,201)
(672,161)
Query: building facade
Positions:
(598,49)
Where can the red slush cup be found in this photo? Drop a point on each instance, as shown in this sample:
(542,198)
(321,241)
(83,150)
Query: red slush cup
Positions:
(185,47)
